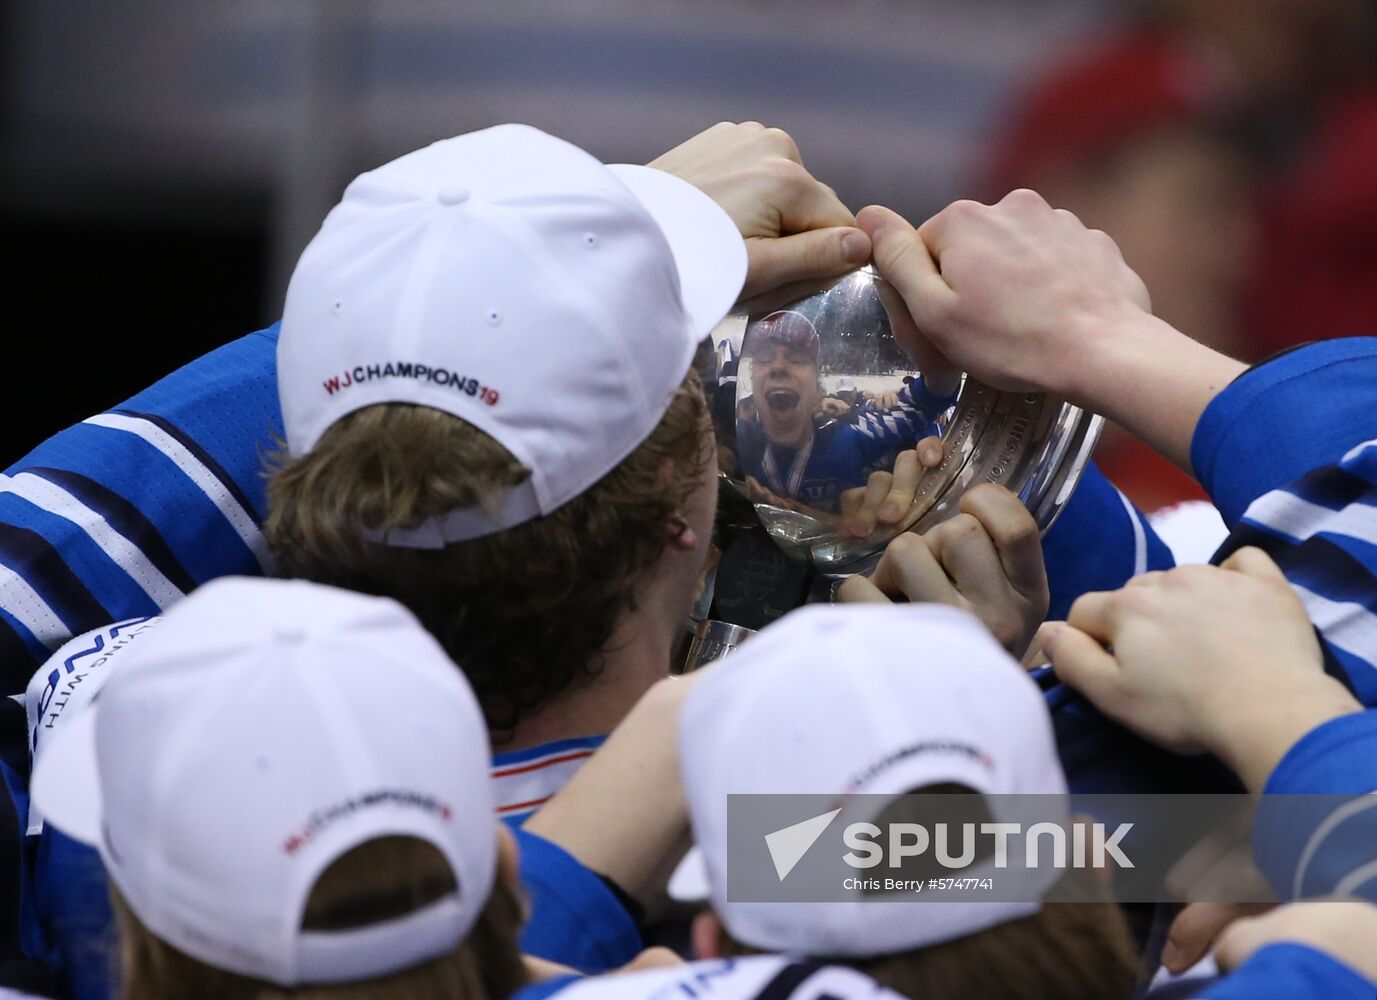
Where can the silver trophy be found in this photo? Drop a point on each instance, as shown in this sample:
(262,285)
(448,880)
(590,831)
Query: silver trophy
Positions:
(815,405)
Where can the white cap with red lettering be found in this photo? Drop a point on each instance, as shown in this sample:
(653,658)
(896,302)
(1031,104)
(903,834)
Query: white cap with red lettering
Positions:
(510,279)
(263,730)
(871,701)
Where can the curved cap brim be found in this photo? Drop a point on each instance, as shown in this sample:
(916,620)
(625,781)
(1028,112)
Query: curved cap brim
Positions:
(708,249)
(66,782)
(689,883)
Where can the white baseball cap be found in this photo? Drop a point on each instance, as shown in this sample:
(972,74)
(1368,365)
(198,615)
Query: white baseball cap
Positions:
(263,730)
(69,680)
(877,700)
(509,278)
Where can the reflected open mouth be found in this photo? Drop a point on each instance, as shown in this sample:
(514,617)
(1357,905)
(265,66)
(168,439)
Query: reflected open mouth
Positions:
(780,400)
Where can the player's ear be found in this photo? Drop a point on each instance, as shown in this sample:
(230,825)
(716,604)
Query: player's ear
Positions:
(681,537)
(678,534)
(706,934)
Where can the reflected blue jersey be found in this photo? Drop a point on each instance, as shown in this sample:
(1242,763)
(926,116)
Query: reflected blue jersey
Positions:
(841,453)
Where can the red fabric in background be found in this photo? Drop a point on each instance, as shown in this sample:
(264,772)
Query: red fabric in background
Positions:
(1145,477)
(1100,99)
(1316,273)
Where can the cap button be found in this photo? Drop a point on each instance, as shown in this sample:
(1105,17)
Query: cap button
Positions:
(453,196)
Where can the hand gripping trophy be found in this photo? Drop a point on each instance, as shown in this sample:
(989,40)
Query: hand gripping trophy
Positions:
(832,441)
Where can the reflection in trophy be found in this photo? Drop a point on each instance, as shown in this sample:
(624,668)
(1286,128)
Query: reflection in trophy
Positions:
(838,429)
(803,447)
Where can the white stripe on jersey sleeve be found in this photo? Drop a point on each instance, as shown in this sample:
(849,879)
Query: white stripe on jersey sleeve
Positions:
(1356,879)
(30,610)
(1350,626)
(1358,450)
(1140,559)
(239,519)
(55,500)
(1331,822)
(1299,519)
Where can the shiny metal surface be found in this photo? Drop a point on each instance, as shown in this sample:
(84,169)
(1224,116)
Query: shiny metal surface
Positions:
(711,641)
(817,398)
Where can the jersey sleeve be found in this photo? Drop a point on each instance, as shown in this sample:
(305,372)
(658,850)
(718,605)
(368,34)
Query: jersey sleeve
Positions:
(1316,828)
(1289,454)
(1099,542)
(1277,421)
(875,434)
(1336,758)
(576,919)
(72,906)
(120,515)
(1289,971)
(1321,530)
(917,395)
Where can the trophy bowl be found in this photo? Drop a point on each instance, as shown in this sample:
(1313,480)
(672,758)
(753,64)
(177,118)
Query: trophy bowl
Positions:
(818,410)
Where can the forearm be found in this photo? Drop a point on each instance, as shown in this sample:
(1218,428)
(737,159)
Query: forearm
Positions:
(1253,740)
(1152,380)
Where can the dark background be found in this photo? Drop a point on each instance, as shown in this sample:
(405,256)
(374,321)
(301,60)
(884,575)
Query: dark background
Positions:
(108,304)
(162,163)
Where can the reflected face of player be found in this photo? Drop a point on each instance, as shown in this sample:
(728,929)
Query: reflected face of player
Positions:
(784,382)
